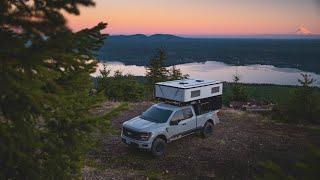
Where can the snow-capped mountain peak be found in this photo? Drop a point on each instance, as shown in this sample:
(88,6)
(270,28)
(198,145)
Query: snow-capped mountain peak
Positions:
(303,31)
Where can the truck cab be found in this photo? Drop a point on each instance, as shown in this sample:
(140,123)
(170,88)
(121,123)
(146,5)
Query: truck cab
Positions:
(165,122)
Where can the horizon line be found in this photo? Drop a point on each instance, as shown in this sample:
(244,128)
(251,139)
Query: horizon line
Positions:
(222,35)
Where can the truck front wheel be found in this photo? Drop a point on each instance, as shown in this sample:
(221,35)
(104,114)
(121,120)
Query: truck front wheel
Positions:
(158,147)
(207,129)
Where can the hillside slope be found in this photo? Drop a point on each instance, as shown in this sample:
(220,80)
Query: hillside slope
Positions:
(238,143)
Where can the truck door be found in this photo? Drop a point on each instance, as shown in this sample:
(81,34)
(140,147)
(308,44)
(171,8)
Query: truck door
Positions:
(182,122)
(177,127)
(190,120)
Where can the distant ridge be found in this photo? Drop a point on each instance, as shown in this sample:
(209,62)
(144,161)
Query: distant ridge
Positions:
(164,36)
(135,36)
(145,37)
(299,34)
(298,51)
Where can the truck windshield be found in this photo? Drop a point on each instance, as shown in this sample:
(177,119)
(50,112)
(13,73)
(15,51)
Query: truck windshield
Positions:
(156,115)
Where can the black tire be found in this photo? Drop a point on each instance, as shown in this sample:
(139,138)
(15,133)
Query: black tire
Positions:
(158,147)
(207,129)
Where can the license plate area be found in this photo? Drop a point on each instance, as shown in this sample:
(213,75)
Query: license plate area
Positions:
(130,143)
(126,141)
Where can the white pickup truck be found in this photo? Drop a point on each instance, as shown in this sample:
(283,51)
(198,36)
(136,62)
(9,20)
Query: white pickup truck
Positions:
(168,121)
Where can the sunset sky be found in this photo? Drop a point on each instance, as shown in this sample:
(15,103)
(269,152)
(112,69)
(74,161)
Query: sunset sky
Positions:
(201,17)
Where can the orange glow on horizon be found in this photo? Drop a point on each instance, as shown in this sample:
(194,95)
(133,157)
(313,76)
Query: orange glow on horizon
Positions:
(203,18)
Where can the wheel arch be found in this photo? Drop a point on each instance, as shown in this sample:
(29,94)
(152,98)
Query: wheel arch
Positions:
(162,136)
(211,121)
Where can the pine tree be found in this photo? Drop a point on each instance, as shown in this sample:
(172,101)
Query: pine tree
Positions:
(123,87)
(44,78)
(239,93)
(306,80)
(156,70)
(304,104)
(176,74)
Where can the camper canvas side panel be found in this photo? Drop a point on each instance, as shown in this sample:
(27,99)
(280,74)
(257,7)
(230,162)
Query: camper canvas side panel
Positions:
(203,92)
(170,93)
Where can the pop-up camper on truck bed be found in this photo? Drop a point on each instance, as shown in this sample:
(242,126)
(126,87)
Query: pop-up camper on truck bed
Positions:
(188,90)
(188,106)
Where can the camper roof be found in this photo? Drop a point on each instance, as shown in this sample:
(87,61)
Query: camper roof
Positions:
(188,83)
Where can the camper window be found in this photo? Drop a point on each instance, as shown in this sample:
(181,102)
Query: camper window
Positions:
(195,93)
(215,90)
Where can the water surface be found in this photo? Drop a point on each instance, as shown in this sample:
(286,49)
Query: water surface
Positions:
(261,74)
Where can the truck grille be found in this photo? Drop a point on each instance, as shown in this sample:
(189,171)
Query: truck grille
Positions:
(130,133)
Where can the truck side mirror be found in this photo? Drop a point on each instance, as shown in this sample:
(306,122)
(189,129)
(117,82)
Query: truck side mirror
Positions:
(173,123)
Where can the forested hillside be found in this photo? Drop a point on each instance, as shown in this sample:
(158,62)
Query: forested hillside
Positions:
(137,49)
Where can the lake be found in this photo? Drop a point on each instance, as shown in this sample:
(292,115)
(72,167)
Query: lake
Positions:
(261,74)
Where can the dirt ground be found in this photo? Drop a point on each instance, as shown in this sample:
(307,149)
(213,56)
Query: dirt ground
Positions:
(237,144)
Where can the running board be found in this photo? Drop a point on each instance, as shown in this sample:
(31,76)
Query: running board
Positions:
(184,134)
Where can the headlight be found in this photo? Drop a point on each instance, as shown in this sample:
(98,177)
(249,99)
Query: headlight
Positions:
(145,136)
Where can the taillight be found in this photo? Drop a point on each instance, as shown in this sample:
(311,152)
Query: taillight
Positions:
(219,114)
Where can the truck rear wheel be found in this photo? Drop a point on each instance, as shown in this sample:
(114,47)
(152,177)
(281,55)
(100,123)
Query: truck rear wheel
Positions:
(158,147)
(207,129)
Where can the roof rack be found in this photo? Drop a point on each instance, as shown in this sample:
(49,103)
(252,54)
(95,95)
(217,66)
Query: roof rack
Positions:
(178,103)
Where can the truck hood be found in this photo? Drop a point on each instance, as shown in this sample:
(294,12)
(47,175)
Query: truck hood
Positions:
(140,124)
